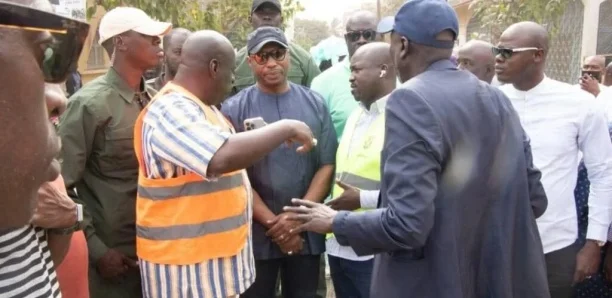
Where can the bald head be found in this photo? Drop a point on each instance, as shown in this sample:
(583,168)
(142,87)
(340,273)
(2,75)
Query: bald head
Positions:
(522,55)
(360,29)
(175,36)
(377,53)
(476,57)
(594,63)
(203,46)
(207,62)
(360,19)
(372,72)
(529,34)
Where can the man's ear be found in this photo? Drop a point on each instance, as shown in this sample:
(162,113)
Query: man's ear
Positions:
(213,68)
(538,56)
(406,48)
(118,43)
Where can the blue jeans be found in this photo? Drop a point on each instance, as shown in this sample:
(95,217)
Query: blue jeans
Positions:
(351,279)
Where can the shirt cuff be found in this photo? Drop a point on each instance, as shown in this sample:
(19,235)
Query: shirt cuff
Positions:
(338,227)
(96,248)
(368,198)
(597,232)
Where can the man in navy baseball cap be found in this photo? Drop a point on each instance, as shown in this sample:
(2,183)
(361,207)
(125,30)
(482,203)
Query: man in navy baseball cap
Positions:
(459,195)
(423,24)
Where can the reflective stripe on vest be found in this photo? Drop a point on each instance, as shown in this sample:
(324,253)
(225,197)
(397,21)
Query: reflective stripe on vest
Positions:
(362,183)
(188,219)
(361,166)
(191,231)
(190,188)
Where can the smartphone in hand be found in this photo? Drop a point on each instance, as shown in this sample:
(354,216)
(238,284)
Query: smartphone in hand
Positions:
(254,123)
(593,74)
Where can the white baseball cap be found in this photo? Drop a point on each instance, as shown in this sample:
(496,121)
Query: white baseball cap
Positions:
(123,19)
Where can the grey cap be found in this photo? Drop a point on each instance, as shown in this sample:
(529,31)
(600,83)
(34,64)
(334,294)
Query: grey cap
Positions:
(264,35)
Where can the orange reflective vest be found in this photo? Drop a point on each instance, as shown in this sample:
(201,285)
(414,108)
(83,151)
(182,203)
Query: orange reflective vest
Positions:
(188,219)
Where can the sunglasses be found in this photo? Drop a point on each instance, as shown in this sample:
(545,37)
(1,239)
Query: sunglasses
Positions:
(262,58)
(61,54)
(354,36)
(507,53)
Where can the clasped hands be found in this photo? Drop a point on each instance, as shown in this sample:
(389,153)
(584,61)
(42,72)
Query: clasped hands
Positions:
(281,233)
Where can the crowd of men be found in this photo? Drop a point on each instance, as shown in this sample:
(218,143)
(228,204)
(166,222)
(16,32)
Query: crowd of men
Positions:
(415,171)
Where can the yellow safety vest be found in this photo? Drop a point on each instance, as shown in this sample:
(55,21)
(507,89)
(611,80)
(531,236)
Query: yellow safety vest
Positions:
(359,166)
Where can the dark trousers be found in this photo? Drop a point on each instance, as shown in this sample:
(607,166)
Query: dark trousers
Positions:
(299,277)
(560,266)
(351,279)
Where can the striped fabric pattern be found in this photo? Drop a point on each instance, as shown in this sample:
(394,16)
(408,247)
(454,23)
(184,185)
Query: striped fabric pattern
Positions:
(26,267)
(177,140)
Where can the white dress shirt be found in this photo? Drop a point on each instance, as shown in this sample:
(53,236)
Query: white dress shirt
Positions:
(367,198)
(563,122)
(605,98)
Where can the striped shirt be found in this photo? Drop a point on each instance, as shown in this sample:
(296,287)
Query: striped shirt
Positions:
(26,267)
(177,139)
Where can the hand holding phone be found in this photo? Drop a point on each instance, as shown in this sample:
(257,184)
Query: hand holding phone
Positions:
(596,75)
(254,123)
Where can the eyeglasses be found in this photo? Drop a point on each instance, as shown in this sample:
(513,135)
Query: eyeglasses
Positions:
(354,36)
(507,53)
(60,55)
(262,58)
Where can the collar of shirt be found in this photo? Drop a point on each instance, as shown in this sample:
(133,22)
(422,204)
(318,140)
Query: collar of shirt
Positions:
(117,83)
(541,87)
(182,90)
(442,65)
(377,107)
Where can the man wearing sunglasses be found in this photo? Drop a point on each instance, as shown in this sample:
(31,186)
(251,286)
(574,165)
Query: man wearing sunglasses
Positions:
(99,165)
(333,84)
(282,175)
(563,123)
(303,68)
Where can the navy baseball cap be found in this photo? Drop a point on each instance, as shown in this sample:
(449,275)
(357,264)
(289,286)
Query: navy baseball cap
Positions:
(258,3)
(264,35)
(422,20)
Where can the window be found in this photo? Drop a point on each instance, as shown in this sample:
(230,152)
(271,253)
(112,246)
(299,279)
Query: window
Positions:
(97,55)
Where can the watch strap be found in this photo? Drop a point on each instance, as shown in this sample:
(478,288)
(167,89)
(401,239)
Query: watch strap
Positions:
(76,227)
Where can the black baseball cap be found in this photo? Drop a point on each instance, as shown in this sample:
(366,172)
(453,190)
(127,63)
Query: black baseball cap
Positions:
(264,35)
(422,20)
(258,3)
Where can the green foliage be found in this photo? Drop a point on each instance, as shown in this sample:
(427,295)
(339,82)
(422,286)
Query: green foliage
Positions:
(230,17)
(496,15)
(308,33)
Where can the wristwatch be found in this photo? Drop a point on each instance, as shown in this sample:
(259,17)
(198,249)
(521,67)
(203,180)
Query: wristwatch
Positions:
(76,227)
